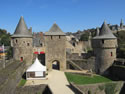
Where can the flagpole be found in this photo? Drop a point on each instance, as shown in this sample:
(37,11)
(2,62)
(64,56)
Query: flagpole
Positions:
(3,56)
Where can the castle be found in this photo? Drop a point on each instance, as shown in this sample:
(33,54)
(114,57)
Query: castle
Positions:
(104,45)
(55,46)
(116,27)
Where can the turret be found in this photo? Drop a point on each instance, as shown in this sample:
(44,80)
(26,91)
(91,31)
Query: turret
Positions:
(21,41)
(104,46)
(121,24)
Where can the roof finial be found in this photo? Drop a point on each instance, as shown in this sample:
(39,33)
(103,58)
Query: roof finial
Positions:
(104,21)
(54,22)
(121,21)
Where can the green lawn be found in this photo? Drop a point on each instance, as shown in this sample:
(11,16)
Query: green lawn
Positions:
(80,79)
(22,82)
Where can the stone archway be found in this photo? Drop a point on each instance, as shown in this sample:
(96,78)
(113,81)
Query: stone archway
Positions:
(56,65)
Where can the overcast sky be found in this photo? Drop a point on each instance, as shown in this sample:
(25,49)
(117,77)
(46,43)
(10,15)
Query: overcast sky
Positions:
(70,15)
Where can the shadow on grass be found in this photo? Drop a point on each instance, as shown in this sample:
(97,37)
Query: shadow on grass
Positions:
(75,90)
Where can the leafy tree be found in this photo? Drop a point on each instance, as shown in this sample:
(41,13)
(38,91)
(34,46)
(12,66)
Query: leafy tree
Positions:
(121,44)
(4,37)
(84,37)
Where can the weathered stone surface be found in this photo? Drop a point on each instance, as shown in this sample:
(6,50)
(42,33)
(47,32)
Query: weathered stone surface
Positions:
(105,52)
(100,88)
(36,89)
(85,64)
(23,47)
(10,77)
(55,50)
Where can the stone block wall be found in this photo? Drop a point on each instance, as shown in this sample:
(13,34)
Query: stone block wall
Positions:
(100,88)
(23,48)
(35,89)
(10,77)
(55,50)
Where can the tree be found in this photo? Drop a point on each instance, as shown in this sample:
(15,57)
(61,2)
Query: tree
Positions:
(84,37)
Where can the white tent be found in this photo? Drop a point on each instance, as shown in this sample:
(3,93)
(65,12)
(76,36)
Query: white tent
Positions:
(36,71)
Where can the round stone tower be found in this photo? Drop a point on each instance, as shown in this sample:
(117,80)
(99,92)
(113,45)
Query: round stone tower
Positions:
(104,46)
(21,41)
(55,48)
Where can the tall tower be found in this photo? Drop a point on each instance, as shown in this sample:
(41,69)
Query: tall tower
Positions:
(121,24)
(104,46)
(21,41)
(55,48)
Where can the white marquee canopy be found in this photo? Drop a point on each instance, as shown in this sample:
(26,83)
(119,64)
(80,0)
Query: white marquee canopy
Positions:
(36,67)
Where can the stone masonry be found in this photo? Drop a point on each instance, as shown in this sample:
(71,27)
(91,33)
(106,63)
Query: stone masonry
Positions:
(55,42)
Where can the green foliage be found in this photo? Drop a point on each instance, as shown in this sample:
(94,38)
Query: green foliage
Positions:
(84,37)
(4,37)
(9,53)
(81,79)
(38,93)
(121,44)
(22,82)
(110,88)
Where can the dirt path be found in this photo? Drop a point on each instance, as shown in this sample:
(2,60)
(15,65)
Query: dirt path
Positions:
(58,83)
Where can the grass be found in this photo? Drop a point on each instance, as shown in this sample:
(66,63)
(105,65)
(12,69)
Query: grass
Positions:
(80,79)
(22,82)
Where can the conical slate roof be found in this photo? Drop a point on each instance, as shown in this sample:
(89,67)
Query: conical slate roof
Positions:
(36,66)
(105,32)
(55,30)
(21,29)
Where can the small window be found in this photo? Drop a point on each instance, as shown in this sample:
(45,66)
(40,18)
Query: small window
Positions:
(111,54)
(74,44)
(59,37)
(16,41)
(28,44)
(103,41)
(51,37)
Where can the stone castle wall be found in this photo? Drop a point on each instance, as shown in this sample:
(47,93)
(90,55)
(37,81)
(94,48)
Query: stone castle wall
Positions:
(104,59)
(55,50)
(22,47)
(99,88)
(109,43)
(10,77)
(105,53)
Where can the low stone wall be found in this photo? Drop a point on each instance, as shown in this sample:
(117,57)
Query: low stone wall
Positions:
(7,62)
(85,64)
(100,88)
(35,89)
(10,77)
